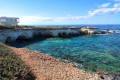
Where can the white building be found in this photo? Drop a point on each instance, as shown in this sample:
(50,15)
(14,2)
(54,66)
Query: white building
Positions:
(9,20)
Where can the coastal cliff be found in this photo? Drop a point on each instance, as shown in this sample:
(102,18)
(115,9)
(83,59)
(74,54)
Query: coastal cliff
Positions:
(13,35)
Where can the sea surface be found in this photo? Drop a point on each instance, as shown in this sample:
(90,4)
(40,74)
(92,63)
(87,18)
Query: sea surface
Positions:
(99,53)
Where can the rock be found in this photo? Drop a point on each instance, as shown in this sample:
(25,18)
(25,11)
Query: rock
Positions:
(116,77)
(45,67)
(110,77)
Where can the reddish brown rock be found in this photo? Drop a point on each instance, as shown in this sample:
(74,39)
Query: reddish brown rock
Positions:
(48,68)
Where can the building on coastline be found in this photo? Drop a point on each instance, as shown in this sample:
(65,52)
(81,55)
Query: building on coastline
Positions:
(9,21)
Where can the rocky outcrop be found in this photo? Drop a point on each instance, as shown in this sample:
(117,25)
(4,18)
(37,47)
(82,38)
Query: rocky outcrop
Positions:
(13,35)
(110,76)
(10,35)
(64,33)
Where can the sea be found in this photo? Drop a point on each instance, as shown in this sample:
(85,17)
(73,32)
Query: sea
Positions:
(96,53)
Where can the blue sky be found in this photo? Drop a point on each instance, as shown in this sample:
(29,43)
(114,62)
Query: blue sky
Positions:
(36,12)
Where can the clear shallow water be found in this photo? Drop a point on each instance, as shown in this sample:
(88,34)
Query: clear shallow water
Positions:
(101,52)
(96,53)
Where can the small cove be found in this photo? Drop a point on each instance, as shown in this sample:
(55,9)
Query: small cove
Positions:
(98,53)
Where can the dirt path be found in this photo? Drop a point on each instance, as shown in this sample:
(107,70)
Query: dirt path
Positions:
(48,68)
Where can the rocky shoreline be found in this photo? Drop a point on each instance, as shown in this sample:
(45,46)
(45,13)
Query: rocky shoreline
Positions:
(46,67)
(11,35)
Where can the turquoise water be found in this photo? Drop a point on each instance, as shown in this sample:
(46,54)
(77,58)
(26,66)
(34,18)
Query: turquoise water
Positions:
(98,53)
(95,53)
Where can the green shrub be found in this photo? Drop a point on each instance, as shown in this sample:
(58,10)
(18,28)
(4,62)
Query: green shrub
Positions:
(12,67)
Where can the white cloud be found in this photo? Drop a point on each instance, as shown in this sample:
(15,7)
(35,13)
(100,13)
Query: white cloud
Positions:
(33,19)
(117,5)
(117,0)
(70,18)
(102,9)
(104,5)
(105,9)
(38,19)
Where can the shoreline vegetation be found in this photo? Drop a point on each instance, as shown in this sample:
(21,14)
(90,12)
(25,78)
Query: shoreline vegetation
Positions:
(12,67)
(19,63)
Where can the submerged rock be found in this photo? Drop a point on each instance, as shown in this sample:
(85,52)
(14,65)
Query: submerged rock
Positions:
(110,77)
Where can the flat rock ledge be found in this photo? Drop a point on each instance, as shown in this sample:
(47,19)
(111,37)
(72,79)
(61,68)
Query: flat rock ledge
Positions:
(45,67)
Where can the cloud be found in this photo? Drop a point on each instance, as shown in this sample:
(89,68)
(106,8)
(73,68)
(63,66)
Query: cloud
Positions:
(117,5)
(117,0)
(104,11)
(34,19)
(104,8)
(70,18)
(104,5)
(38,19)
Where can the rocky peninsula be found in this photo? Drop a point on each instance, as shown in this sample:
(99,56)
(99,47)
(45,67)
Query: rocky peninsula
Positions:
(8,34)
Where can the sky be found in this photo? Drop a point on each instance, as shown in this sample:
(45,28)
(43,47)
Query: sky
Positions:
(45,12)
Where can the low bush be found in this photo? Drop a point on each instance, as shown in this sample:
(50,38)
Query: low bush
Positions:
(12,67)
